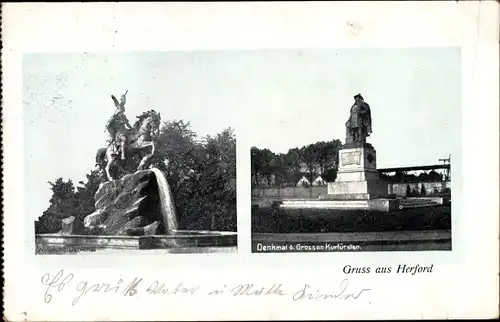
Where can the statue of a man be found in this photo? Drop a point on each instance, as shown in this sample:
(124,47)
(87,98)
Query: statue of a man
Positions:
(359,125)
(119,125)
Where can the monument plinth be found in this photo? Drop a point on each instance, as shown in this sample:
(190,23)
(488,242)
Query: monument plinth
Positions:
(357,176)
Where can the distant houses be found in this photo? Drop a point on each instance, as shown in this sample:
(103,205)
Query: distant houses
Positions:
(426,180)
(298,179)
(306,179)
(303,182)
(319,181)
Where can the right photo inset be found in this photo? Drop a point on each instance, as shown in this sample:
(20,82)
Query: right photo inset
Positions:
(382,180)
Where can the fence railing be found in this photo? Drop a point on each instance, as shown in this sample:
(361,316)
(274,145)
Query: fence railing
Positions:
(313,192)
(289,192)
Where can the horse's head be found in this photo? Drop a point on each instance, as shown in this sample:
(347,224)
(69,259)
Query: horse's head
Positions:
(149,121)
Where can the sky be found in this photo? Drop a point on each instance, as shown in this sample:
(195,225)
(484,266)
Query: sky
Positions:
(276,99)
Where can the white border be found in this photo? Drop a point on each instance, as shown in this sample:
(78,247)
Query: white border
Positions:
(88,27)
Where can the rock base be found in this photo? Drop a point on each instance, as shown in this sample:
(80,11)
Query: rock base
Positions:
(129,206)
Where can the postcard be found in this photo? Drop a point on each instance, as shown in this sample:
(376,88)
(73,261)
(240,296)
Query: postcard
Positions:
(250,161)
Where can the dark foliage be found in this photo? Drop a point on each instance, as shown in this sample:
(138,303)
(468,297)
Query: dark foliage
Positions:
(67,201)
(280,170)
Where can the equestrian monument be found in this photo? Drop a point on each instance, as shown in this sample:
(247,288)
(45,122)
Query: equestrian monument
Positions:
(133,200)
(134,206)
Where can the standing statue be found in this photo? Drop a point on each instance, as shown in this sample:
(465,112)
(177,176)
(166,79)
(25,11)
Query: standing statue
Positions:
(126,141)
(359,124)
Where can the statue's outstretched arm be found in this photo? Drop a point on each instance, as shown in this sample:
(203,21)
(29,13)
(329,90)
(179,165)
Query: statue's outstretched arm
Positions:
(123,99)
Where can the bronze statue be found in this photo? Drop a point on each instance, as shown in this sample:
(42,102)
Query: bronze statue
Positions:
(359,124)
(128,141)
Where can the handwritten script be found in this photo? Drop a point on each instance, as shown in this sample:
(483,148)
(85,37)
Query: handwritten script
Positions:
(62,282)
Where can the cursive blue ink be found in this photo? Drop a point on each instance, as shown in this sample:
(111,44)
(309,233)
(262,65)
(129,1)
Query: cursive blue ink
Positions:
(55,282)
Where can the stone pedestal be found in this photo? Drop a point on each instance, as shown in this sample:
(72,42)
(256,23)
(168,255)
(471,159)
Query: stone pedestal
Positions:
(357,176)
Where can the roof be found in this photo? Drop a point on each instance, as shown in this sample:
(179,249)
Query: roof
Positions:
(415,168)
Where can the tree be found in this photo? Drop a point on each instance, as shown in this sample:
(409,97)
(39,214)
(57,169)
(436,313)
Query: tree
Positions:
(293,165)
(222,157)
(85,198)
(202,175)
(62,205)
(423,177)
(293,160)
(280,169)
(66,202)
(176,147)
(268,166)
(256,166)
(328,159)
(264,166)
(318,158)
(434,176)
(322,156)
(309,155)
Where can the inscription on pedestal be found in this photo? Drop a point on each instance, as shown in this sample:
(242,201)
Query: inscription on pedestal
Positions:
(350,158)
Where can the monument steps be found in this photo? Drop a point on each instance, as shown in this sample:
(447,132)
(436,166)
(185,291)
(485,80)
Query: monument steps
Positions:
(355,203)
(383,205)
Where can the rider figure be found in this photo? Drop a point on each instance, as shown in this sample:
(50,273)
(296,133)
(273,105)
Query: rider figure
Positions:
(121,125)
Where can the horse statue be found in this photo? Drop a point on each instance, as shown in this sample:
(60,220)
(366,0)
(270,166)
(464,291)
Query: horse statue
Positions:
(128,143)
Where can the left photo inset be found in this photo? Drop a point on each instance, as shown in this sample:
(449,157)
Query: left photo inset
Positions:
(128,152)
